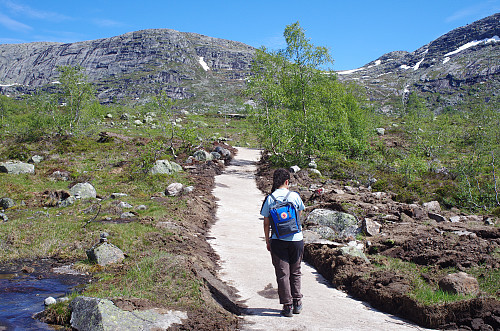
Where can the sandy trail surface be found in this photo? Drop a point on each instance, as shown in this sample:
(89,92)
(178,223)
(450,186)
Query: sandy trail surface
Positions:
(238,239)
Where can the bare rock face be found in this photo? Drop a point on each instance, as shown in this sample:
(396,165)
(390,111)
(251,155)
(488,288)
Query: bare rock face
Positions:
(464,57)
(132,64)
(459,283)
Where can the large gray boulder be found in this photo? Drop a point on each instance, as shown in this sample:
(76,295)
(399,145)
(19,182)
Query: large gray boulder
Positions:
(105,253)
(83,191)
(341,225)
(161,167)
(101,314)
(165,167)
(17,167)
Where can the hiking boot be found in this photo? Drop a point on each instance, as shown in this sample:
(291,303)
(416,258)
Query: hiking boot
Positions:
(287,311)
(297,308)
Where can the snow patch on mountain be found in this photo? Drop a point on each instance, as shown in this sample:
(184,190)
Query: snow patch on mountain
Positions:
(472,44)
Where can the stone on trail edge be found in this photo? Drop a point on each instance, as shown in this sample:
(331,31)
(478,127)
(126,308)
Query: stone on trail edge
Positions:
(101,314)
(245,263)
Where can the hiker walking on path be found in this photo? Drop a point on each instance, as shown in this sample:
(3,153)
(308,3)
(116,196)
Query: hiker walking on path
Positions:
(286,252)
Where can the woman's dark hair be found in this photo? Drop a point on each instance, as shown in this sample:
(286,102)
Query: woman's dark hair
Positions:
(280,176)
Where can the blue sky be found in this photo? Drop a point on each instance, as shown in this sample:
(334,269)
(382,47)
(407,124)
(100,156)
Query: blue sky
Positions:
(356,32)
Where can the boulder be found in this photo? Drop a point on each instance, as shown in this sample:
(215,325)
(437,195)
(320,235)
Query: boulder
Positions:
(459,283)
(142,207)
(187,189)
(380,131)
(176,167)
(174,189)
(370,227)
(343,225)
(124,204)
(66,202)
(118,195)
(138,122)
(124,117)
(224,153)
(60,175)
(312,165)
(17,167)
(35,159)
(105,253)
(436,217)
(127,214)
(405,218)
(162,167)
(215,156)
(432,206)
(202,155)
(101,314)
(3,217)
(355,252)
(294,169)
(455,219)
(83,191)
(6,203)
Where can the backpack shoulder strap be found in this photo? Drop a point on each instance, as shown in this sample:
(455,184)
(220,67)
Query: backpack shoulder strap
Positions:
(272,197)
(286,196)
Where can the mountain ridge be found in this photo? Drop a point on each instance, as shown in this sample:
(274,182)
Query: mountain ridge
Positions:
(135,65)
(131,65)
(440,66)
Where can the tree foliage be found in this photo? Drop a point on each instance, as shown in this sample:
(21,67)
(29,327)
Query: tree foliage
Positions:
(304,111)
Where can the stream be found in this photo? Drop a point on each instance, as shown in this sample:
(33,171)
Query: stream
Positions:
(22,295)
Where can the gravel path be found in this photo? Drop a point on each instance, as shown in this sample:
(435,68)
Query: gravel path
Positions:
(246,265)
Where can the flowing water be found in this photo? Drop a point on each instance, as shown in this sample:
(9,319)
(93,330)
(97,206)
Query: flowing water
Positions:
(22,296)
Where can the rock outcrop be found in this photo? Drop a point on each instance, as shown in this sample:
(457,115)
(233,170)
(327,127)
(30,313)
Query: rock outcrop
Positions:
(464,57)
(132,65)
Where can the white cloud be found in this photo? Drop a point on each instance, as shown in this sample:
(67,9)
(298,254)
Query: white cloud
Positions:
(481,9)
(13,25)
(105,23)
(27,11)
(12,41)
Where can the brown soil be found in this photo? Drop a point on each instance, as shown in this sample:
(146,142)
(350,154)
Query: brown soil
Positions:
(407,234)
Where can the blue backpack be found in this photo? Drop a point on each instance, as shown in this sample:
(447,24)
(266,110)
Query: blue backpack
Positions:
(285,218)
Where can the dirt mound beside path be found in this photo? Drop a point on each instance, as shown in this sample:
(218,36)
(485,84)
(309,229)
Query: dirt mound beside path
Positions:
(409,256)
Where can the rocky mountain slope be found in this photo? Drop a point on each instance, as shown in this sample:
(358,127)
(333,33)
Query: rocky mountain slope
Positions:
(465,61)
(133,65)
(210,72)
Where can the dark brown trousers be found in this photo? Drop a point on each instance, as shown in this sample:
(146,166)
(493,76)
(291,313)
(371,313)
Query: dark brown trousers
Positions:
(287,257)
